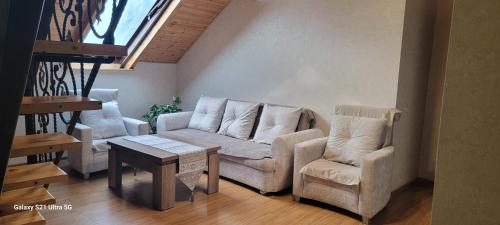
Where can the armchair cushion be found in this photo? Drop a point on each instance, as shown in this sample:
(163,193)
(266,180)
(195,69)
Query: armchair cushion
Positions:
(353,137)
(276,121)
(238,119)
(105,123)
(333,171)
(207,114)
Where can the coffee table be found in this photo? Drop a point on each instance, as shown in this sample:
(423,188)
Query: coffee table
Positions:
(162,164)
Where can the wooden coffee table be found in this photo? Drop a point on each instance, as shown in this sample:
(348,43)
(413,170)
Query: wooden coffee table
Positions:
(162,164)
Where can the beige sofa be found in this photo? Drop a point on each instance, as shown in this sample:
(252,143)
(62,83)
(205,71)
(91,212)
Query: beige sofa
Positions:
(265,167)
(364,190)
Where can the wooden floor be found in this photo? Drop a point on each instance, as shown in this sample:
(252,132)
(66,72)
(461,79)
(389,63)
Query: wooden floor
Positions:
(94,204)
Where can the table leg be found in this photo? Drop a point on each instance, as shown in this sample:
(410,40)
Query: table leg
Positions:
(213,173)
(114,169)
(164,186)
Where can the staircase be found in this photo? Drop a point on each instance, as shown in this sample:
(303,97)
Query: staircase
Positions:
(31,83)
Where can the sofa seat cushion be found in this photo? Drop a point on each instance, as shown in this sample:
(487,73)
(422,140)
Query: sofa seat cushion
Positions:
(229,146)
(101,145)
(265,164)
(335,172)
(207,114)
(346,197)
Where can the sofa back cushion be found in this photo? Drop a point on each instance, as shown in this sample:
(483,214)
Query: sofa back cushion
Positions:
(238,119)
(276,121)
(208,114)
(106,122)
(353,137)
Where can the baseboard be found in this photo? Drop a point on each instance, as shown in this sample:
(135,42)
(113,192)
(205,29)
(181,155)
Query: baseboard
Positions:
(417,181)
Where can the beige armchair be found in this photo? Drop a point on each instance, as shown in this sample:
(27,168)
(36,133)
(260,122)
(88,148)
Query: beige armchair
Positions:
(364,190)
(94,154)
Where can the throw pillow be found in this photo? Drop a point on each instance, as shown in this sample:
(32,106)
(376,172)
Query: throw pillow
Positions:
(238,119)
(353,137)
(276,121)
(105,123)
(207,115)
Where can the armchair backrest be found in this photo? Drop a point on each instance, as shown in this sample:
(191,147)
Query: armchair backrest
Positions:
(390,114)
(104,95)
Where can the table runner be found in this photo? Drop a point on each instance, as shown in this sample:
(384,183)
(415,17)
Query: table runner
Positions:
(192,159)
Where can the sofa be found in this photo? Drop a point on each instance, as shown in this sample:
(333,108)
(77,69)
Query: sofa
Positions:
(94,154)
(352,168)
(258,159)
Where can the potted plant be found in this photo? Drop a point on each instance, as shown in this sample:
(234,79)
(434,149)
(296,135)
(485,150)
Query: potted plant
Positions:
(155,110)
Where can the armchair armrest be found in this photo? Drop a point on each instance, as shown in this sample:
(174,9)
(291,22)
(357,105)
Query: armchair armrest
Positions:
(173,121)
(83,133)
(305,153)
(136,127)
(82,160)
(376,177)
(282,152)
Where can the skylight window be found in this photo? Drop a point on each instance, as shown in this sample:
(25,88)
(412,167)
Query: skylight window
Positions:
(132,17)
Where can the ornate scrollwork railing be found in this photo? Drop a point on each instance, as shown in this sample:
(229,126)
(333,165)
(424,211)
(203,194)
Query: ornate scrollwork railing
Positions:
(67,20)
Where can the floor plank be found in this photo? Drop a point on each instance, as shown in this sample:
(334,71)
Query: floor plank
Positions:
(94,204)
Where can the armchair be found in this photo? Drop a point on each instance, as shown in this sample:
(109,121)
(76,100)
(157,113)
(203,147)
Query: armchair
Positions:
(94,154)
(364,190)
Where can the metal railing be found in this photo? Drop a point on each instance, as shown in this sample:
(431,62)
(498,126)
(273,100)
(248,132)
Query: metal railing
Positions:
(66,20)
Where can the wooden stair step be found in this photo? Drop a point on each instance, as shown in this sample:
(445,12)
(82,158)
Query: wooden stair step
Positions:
(55,104)
(29,175)
(23,218)
(79,49)
(43,143)
(36,195)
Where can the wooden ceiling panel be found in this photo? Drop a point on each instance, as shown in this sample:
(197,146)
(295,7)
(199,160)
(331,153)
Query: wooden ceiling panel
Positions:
(182,29)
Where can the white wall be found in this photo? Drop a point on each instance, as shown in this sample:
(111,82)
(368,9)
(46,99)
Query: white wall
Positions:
(416,54)
(306,53)
(147,84)
(314,54)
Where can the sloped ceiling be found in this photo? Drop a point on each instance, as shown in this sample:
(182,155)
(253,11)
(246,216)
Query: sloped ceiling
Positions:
(185,24)
(174,33)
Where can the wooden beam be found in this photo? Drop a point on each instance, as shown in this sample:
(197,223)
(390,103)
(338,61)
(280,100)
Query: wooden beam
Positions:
(77,48)
(29,175)
(111,67)
(37,195)
(53,104)
(43,143)
(25,218)
(17,36)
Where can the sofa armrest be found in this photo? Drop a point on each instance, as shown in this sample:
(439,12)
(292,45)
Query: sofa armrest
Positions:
(136,127)
(282,152)
(82,160)
(173,121)
(304,153)
(376,177)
